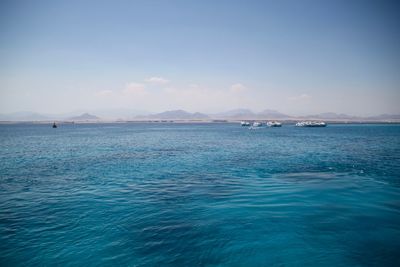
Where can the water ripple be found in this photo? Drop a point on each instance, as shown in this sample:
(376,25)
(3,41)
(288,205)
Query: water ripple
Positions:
(199,195)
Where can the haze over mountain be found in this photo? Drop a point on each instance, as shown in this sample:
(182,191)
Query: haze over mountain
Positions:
(85,117)
(240,112)
(106,114)
(243,114)
(230,115)
(269,113)
(175,115)
(24,116)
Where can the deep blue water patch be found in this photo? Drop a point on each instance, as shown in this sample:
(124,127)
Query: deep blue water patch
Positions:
(199,195)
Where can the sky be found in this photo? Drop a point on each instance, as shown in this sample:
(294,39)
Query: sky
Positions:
(297,57)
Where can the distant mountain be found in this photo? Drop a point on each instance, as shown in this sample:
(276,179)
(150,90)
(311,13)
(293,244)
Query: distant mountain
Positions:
(24,116)
(272,114)
(385,117)
(247,114)
(344,117)
(332,116)
(115,113)
(175,115)
(85,117)
(235,114)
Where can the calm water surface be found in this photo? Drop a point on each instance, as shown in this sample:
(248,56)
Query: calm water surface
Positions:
(199,195)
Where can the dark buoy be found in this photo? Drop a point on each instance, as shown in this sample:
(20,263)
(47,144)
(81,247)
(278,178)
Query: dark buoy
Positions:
(54,125)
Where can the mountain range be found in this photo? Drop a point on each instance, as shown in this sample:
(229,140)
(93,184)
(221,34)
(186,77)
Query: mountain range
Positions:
(231,115)
(174,115)
(84,117)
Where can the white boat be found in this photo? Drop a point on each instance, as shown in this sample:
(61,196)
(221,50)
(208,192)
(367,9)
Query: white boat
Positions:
(256,125)
(311,124)
(274,124)
(245,123)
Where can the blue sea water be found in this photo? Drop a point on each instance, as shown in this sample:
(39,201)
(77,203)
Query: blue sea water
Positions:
(135,194)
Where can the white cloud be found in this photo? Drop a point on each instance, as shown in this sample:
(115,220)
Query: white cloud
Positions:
(157,80)
(238,88)
(192,97)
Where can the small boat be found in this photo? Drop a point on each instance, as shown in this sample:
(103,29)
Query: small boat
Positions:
(245,123)
(311,124)
(274,124)
(54,125)
(256,125)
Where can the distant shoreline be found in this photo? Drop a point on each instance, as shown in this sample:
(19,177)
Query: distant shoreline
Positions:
(193,121)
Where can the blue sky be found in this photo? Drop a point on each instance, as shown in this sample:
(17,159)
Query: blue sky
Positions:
(297,57)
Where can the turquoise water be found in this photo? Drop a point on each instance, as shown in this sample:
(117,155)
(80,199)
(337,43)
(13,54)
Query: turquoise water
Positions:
(199,195)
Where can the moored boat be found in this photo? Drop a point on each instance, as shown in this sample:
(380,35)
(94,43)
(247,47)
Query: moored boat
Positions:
(256,125)
(245,123)
(311,124)
(274,124)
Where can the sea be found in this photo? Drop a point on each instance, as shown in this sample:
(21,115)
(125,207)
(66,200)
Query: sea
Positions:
(199,194)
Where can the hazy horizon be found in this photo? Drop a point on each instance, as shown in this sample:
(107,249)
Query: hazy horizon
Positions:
(179,114)
(297,57)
